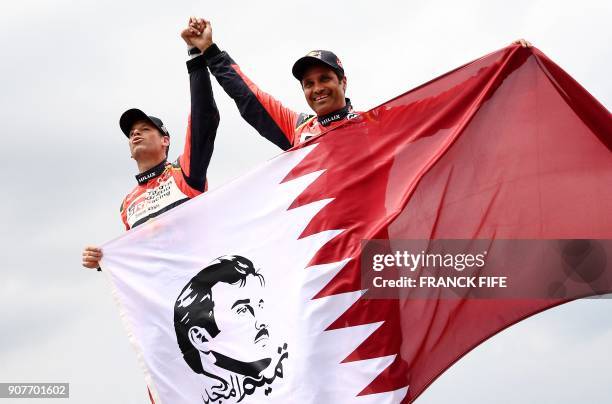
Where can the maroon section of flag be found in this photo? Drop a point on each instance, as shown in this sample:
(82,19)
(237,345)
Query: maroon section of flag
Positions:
(506,147)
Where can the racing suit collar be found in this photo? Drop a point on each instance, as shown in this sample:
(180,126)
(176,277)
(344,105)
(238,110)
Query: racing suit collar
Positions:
(338,115)
(156,171)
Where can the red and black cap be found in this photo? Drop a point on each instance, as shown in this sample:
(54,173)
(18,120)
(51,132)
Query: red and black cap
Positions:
(131,116)
(317,57)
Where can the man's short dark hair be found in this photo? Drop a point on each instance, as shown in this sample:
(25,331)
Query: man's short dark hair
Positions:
(195,305)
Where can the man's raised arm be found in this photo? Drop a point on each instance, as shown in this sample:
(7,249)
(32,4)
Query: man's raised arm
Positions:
(203,119)
(262,111)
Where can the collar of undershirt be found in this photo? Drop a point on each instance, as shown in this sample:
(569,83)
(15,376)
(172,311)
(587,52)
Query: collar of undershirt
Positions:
(156,171)
(338,115)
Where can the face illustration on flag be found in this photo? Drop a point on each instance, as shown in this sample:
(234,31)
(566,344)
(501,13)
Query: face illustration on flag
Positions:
(253,292)
(233,350)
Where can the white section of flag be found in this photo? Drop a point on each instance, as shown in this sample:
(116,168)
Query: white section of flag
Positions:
(150,265)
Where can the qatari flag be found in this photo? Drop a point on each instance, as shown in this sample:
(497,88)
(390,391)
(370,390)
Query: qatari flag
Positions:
(269,289)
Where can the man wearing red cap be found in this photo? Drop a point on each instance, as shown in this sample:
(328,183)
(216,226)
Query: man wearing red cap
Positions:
(163,185)
(321,76)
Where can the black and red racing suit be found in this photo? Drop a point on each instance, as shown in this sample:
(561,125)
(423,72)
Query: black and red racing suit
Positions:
(169,184)
(280,125)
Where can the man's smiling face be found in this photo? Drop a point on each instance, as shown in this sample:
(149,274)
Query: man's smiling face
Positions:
(323,90)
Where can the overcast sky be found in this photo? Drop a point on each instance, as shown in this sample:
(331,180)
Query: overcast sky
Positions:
(70,68)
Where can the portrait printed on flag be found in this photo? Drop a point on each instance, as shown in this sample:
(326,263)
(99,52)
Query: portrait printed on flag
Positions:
(232,351)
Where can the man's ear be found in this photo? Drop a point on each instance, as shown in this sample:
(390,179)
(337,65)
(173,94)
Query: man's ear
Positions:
(200,339)
(344,84)
(166,140)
